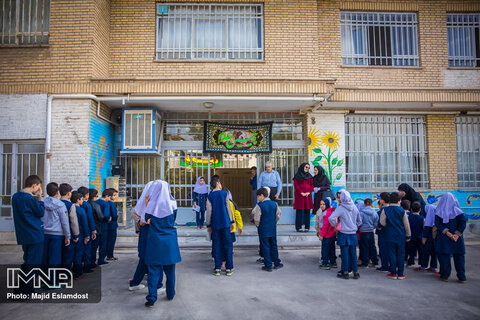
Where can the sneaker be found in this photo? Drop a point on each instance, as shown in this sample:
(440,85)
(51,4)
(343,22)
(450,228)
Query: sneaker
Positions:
(420,269)
(462,281)
(161,290)
(436,274)
(135,288)
(356,275)
(443,279)
(149,304)
(306,230)
(432,270)
(381,270)
(401,277)
(325,266)
(228,272)
(334,266)
(102,263)
(216,272)
(268,269)
(278,266)
(392,276)
(342,275)
(363,265)
(260,260)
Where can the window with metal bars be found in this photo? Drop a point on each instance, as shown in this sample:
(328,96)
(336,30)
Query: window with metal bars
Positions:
(379,39)
(463,35)
(468,151)
(24,22)
(384,151)
(209,31)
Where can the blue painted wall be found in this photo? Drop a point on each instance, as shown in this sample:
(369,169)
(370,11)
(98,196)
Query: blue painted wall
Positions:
(102,146)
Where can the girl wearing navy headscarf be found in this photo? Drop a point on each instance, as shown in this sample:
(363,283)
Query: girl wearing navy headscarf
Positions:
(450,222)
(162,251)
(408,193)
(428,242)
(303,186)
(200,193)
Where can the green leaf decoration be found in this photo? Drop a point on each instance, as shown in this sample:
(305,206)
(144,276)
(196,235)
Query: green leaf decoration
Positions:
(340,163)
(339,176)
(315,163)
(334,161)
(317,159)
(316,150)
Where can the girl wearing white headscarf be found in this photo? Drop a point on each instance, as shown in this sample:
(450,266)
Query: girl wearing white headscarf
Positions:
(162,251)
(450,222)
(350,219)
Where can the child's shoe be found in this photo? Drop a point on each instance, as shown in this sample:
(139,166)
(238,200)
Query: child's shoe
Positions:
(462,281)
(381,270)
(268,269)
(356,275)
(342,275)
(392,276)
(260,260)
(161,290)
(334,266)
(135,288)
(278,266)
(229,272)
(432,270)
(421,269)
(401,277)
(443,279)
(325,266)
(149,304)
(216,272)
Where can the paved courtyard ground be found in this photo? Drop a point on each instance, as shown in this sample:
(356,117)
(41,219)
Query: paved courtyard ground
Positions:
(298,291)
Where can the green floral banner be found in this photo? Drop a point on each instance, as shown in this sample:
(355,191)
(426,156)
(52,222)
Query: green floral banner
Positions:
(235,138)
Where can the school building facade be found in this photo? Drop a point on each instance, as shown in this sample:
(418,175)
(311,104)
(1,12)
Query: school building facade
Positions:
(376,92)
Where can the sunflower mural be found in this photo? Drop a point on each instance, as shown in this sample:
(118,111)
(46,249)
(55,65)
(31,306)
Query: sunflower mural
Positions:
(327,157)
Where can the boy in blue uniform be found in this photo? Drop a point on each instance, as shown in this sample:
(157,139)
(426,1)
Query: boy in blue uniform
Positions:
(451,223)
(219,225)
(56,227)
(112,226)
(98,219)
(69,251)
(266,215)
(27,214)
(87,255)
(383,202)
(415,221)
(368,250)
(397,232)
(84,235)
(106,210)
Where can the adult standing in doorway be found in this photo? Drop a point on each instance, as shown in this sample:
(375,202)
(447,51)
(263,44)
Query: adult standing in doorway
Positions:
(303,186)
(320,185)
(270,178)
(253,183)
(408,193)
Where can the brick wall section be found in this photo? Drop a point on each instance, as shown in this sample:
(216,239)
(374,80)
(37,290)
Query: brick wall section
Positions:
(70,141)
(442,152)
(101,39)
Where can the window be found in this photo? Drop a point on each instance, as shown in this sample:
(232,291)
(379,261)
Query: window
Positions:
(384,151)
(209,32)
(463,35)
(24,22)
(468,151)
(379,39)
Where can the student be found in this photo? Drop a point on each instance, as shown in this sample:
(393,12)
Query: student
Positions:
(383,202)
(219,225)
(112,226)
(87,255)
(106,211)
(368,250)
(237,218)
(84,235)
(406,205)
(347,237)
(27,214)
(428,242)
(415,220)
(451,223)
(69,251)
(303,187)
(56,227)
(200,193)
(397,232)
(266,215)
(162,251)
(327,234)
(253,184)
(98,219)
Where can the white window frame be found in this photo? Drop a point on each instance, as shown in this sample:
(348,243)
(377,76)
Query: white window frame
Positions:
(466,27)
(467,131)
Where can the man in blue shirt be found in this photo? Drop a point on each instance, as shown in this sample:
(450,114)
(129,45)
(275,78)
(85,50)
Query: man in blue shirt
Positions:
(270,178)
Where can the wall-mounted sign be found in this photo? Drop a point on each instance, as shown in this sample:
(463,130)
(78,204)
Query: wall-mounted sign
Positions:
(237,138)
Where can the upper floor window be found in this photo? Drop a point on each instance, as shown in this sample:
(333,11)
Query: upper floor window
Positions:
(463,35)
(24,22)
(209,32)
(379,39)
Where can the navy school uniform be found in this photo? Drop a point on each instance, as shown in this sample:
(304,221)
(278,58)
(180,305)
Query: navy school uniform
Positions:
(87,256)
(428,254)
(102,242)
(69,251)
(80,245)
(445,247)
(98,220)
(201,200)
(414,245)
(161,255)
(396,238)
(267,232)
(382,246)
(112,229)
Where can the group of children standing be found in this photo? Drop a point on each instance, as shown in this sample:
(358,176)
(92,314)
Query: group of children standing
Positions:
(66,228)
(404,233)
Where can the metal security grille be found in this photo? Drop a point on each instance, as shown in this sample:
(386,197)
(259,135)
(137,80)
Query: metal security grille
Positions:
(17,162)
(24,22)
(209,31)
(463,35)
(468,151)
(379,39)
(384,151)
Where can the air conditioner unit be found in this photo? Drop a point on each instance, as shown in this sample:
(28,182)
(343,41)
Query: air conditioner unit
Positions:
(140,130)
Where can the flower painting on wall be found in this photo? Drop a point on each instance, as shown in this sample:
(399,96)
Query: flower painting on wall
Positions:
(325,146)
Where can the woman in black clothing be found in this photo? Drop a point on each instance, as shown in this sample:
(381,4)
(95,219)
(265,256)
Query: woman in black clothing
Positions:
(410,194)
(320,185)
